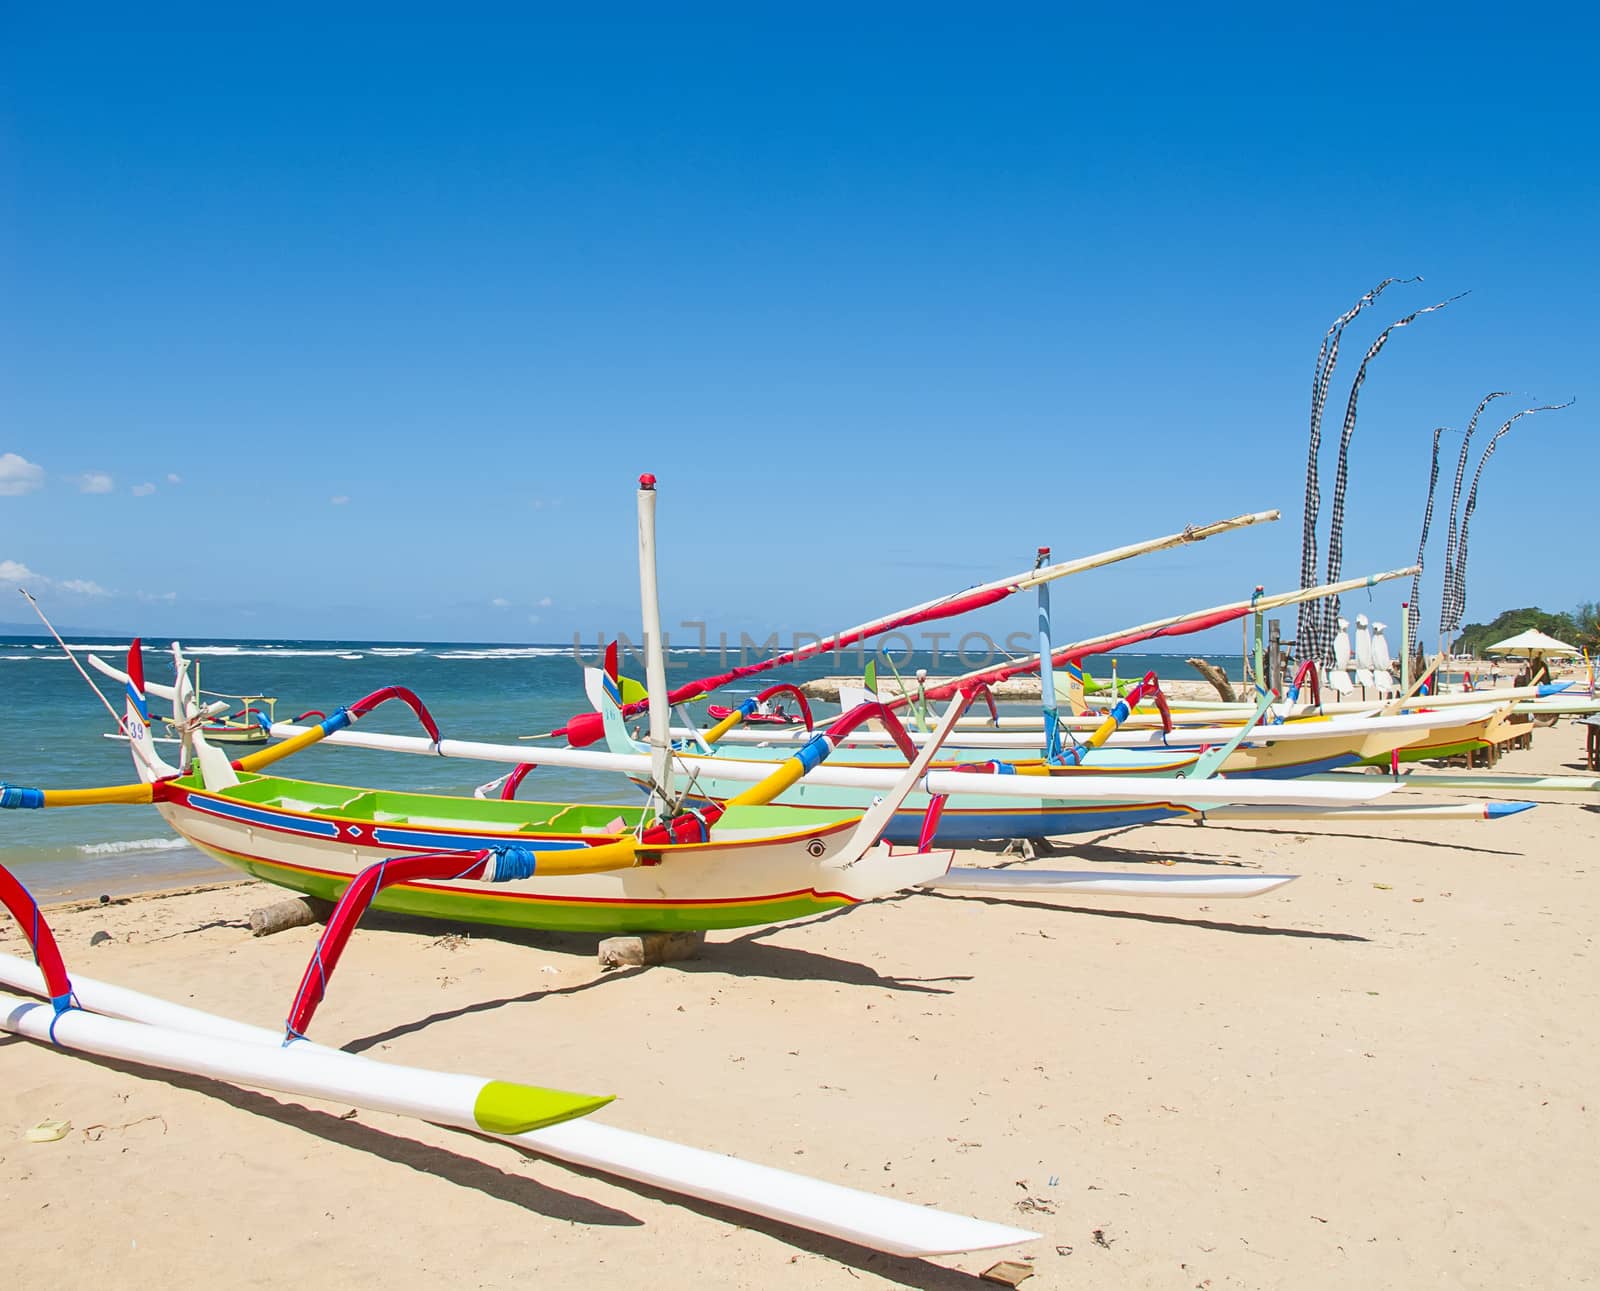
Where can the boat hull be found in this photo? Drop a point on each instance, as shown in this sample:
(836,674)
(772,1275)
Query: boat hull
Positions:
(725,884)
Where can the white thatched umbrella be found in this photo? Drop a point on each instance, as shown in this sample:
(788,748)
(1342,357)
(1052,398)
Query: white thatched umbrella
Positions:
(1530,643)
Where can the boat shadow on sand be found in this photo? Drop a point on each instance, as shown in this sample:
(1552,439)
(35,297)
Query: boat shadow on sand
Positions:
(1331,833)
(530,1194)
(746,955)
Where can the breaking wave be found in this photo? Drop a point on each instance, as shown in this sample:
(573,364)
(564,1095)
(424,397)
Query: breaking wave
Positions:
(123,846)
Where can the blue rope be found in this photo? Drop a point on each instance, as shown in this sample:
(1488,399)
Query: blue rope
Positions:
(816,749)
(511,863)
(15,796)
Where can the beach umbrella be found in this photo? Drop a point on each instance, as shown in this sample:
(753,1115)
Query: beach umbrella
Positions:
(1532,642)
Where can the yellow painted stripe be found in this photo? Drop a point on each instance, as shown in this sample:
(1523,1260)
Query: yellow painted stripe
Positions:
(759,794)
(620,855)
(724,726)
(111,793)
(266,757)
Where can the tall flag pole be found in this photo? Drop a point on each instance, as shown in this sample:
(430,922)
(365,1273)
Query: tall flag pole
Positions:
(1330,607)
(1309,643)
(1413,611)
(1446,596)
(1458,588)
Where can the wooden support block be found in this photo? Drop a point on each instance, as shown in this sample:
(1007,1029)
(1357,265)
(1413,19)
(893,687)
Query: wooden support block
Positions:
(296,912)
(1028,849)
(650,948)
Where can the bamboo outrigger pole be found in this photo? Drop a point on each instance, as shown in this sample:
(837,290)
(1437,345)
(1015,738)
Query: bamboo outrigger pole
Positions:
(1174,625)
(586,728)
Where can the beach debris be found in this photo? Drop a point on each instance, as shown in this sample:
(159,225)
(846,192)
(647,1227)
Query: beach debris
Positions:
(280,916)
(48,1131)
(1100,1238)
(1384,887)
(1036,1205)
(100,938)
(94,1133)
(1063,1250)
(1216,676)
(1008,1273)
(452,941)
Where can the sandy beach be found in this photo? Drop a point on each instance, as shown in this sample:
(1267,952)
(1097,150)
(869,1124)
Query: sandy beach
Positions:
(1378,1076)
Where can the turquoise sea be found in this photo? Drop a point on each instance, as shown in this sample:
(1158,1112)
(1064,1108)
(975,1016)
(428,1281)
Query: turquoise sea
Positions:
(53,732)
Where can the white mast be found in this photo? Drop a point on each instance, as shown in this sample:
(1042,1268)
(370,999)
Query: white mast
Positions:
(662,797)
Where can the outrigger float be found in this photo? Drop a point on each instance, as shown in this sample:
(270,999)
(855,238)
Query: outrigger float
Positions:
(82,1015)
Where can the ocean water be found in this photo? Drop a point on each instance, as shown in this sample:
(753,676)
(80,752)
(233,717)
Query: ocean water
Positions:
(53,732)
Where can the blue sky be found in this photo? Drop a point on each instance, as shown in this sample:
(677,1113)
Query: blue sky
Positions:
(390,310)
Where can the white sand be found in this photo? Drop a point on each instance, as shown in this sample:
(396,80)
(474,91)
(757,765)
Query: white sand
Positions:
(1378,1077)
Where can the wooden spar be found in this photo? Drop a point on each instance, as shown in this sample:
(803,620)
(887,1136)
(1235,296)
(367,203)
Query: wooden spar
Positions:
(1110,788)
(583,729)
(1399,705)
(662,797)
(1233,609)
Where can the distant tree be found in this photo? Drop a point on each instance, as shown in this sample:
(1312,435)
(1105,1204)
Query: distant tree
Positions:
(1586,626)
(1476,637)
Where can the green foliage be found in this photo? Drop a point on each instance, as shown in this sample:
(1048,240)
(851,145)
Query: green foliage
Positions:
(1586,627)
(1475,637)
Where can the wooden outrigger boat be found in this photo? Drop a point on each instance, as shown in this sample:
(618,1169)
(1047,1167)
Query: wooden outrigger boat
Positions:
(251,724)
(549,865)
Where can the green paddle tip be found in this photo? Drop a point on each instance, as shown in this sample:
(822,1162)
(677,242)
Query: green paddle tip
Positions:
(503,1107)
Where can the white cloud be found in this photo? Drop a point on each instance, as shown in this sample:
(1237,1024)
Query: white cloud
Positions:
(14,571)
(158,596)
(174,478)
(500,603)
(82,586)
(142,490)
(339,499)
(95,482)
(18,476)
(545,602)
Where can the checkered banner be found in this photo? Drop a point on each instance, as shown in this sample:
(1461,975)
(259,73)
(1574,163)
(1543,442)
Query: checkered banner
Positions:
(1308,643)
(1446,596)
(1413,610)
(1330,604)
(1458,586)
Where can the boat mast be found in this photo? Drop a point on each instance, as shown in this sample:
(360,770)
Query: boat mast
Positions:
(1047,680)
(1260,645)
(662,795)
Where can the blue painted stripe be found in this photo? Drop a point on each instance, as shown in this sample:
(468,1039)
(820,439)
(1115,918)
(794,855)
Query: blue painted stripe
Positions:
(261,816)
(139,703)
(424,841)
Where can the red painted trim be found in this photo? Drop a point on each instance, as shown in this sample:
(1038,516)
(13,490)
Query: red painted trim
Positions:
(46,953)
